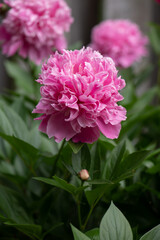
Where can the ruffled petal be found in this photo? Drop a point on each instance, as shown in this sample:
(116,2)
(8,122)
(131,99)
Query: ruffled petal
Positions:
(110,131)
(87,135)
(58,128)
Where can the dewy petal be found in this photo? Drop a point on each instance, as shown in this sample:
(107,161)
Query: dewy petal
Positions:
(58,128)
(87,135)
(110,131)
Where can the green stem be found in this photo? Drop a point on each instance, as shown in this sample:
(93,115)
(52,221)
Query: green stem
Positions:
(79,213)
(79,198)
(87,219)
(57,158)
(90,212)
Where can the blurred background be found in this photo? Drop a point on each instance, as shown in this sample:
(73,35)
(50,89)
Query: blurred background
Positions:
(88,13)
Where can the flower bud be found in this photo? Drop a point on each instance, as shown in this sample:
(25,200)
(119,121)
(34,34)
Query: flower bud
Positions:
(84,175)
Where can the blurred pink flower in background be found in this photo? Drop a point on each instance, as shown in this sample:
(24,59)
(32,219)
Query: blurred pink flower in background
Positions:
(79,97)
(121,40)
(34,28)
(158,1)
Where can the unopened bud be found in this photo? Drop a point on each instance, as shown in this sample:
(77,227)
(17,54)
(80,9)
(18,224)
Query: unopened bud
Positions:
(84,175)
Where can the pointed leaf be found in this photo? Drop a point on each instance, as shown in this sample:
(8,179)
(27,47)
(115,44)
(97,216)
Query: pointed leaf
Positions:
(129,165)
(27,152)
(78,235)
(85,157)
(153,234)
(115,226)
(114,161)
(94,194)
(14,206)
(75,146)
(93,234)
(19,128)
(58,182)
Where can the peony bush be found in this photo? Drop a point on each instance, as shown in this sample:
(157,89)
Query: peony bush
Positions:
(88,167)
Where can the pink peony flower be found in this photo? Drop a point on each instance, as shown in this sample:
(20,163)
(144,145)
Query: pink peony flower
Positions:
(34,28)
(79,97)
(121,40)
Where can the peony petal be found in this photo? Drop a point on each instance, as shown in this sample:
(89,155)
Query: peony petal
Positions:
(43,124)
(59,129)
(110,131)
(87,135)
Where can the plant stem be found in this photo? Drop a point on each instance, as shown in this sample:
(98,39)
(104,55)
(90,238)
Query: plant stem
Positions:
(90,212)
(79,198)
(87,219)
(79,213)
(57,158)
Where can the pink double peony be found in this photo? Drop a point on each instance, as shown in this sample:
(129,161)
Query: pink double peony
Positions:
(34,27)
(121,40)
(79,97)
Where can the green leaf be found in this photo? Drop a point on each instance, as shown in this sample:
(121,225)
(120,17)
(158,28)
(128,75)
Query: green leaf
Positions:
(27,152)
(14,206)
(22,77)
(144,100)
(93,234)
(94,194)
(129,165)
(75,146)
(11,123)
(128,93)
(3,219)
(110,143)
(114,161)
(114,225)
(30,230)
(76,162)
(143,75)
(78,235)
(99,182)
(5,125)
(60,183)
(154,36)
(85,157)
(95,167)
(153,234)
(138,118)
